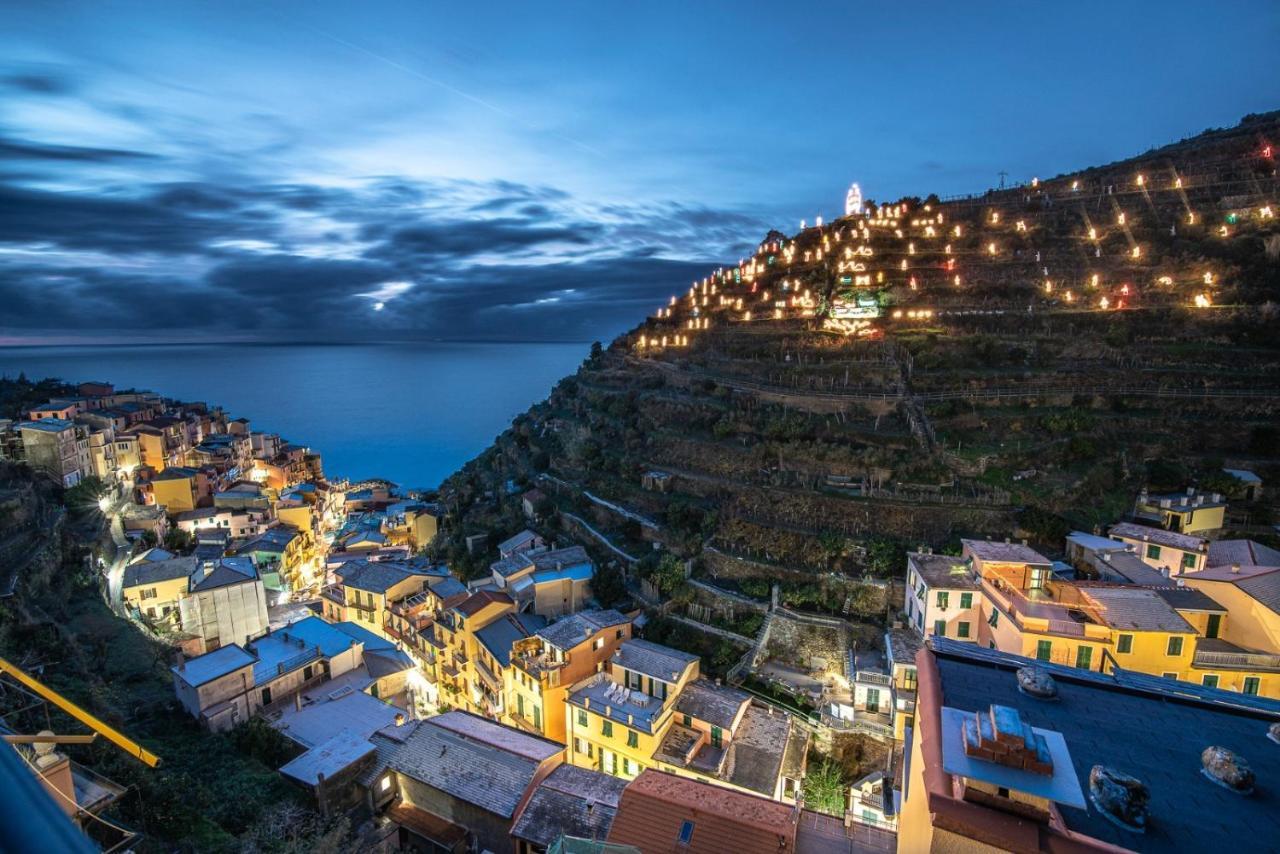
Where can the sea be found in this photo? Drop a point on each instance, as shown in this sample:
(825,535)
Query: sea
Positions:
(411,413)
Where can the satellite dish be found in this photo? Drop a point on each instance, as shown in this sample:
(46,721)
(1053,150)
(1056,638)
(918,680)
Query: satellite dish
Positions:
(853,200)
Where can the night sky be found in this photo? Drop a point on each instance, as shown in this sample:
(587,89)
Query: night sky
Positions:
(533,170)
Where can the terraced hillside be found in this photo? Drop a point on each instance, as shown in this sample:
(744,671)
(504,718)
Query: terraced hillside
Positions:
(1011,363)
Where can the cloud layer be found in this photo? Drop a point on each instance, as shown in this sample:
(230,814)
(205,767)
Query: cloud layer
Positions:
(96,239)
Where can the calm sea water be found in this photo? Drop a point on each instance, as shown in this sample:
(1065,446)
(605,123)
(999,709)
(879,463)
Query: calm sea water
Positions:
(413,413)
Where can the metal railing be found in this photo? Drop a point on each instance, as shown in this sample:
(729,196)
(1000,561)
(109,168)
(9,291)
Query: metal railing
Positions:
(1239,660)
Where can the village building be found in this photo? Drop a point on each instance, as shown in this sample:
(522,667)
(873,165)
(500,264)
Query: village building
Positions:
(995,766)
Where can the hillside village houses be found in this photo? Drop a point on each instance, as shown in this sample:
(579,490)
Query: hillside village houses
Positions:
(511,711)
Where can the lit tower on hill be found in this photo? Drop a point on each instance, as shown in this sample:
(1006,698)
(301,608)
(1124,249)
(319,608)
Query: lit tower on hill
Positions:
(853,200)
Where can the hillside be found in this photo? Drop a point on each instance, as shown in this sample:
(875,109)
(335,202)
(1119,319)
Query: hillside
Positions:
(1014,363)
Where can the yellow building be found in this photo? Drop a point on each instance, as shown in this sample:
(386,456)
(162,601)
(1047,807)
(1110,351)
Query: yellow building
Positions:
(467,672)
(1168,551)
(616,721)
(1160,630)
(155,588)
(1185,512)
(555,657)
(900,647)
(179,489)
(365,591)
(1241,649)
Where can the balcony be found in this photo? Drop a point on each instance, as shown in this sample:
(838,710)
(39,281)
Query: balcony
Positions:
(1055,609)
(870,677)
(1215,654)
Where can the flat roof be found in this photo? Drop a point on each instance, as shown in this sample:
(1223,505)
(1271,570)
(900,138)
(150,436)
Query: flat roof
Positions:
(1137,608)
(633,708)
(1152,728)
(999,552)
(1062,786)
(212,665)
(944,571)
(327,759)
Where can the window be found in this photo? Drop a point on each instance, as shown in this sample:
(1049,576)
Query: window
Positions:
(686,833)
(962,629)
(966,600)
(944,599)
(619,634)
(149,593)
(606,729)
(582,718)
(1153,552)
(520,704)
(537,718)
(386,783)
(688,720)
(306,672)
(266,696)
(994,620)
(1188,561)
(1124,644)
(1174,647)
(909,679)
(1044,649)
(579,746)
(1084,657)
(940,628)
(597,643)
(1251,685)
(1169,674)
(1210,680)
(1214,626)
(716,735)
(633,740)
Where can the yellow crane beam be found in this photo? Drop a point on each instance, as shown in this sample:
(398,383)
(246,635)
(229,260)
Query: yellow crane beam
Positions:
(108,732)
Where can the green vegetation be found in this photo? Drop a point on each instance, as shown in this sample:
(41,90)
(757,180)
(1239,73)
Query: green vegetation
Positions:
(825,789)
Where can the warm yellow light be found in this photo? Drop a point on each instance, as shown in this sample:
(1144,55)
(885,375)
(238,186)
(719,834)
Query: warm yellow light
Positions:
(1165,280)
(1022,226)
(995,217)
(1075,185)
(1208,278)
(991,249)
(1224,231)
(1093,280)
(1177,183)
(1203,301)
(1069,297)
(1120,218)
(1093,233)
(1265,212)
(1141,180)
(1191,219)
(1137,252)
(1104,303)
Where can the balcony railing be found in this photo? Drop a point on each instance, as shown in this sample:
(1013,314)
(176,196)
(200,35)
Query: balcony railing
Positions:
(870,677)
(1237,660)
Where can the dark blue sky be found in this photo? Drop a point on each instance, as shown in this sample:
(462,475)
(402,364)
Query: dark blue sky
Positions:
(534,170)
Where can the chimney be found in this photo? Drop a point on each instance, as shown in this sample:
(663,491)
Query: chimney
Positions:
(297,701)
(180,660)
(1235,567)
(399,718)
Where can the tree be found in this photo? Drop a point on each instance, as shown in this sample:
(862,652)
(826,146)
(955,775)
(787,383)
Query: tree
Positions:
(824,788)
(608,586)
(178,541)
(668,574)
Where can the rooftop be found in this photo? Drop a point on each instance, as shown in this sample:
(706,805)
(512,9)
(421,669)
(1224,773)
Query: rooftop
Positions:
(1188,599)
(331,638)
(1128,566)
(570,801)
(327,759)
(718,705)
(1152,728)
(48,425)
(1243,552)
(1093,542)
(212,665)
(901,645)
(222,572)
(758,748)
(1159,536)
(376,576)
(1135,608)
(328,711)
(468,757)
(154,572)
(998,552)
(1184,501)
(655,806)
(477,602)
(651,659)
(602,695)
(943,571)
(572,630)
(498,636)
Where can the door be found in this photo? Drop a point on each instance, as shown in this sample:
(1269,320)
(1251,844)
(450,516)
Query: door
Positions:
(873,700)
(1215,624)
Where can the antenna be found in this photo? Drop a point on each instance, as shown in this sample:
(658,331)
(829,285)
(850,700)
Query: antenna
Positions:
(1003,174)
